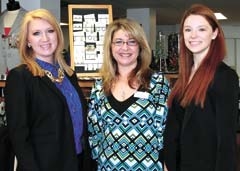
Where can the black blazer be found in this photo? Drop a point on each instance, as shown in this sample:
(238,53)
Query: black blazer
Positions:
(207,137)
(39,122)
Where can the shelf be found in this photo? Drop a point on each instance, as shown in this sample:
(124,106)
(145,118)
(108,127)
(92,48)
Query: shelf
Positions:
(82,83)
(2,83)
(86,86)
(89,83)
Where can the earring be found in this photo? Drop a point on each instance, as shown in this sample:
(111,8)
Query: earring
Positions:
(214,37)
(29,45)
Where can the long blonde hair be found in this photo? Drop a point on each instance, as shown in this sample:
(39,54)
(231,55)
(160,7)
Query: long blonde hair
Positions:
(109,70)
(27,54)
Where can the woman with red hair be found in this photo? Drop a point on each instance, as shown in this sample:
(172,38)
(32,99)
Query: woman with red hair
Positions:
(200,131)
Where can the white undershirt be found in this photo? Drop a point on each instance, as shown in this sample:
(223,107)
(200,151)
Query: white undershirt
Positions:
(10,17)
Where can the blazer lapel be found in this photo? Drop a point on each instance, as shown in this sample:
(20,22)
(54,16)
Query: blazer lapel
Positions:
(52,86)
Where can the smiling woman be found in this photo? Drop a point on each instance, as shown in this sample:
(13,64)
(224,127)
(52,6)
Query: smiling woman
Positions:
(43,39)
(45,112)
(126,103)
(203,105)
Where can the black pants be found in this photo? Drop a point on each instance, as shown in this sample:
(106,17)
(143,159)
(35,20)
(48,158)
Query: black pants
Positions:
(86,163)
(80,161)
(6,152)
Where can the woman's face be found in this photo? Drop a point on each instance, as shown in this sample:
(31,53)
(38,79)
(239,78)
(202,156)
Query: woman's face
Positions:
(43,39)
(198,34)
(125,49)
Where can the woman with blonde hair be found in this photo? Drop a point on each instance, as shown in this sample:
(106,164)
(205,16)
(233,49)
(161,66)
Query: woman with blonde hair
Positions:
(127,108)
(44,103)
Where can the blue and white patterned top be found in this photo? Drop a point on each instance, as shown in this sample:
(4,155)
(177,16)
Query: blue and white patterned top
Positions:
(73,101)
(132,140)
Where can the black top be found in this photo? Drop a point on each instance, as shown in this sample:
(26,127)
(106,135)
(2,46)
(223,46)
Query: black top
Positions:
(13,5)
(119,106)
(180,111)
(208,135)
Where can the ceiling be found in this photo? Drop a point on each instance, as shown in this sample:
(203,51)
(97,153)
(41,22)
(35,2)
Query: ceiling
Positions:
(169,12)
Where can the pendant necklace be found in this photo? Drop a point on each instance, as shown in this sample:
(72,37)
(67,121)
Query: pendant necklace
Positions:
(123,95)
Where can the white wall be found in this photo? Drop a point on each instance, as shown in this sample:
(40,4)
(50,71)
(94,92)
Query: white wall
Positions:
(27,4)
(147,18)
(232,35)
(231,31)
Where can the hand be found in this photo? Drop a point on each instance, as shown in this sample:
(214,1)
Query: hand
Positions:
(165,167)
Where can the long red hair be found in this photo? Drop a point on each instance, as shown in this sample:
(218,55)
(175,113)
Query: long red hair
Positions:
(196,90)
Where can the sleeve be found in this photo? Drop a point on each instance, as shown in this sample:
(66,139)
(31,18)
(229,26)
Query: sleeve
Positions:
(164,93)
(17,107)
(93,119)
(226,86)
(161,94)
(171,137)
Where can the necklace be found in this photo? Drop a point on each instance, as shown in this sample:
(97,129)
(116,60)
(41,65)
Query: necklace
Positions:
(60,77)
(123,95)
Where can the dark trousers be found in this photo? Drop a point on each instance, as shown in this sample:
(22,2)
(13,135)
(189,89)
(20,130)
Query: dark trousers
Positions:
(6,152)
(80,161)
(85,163)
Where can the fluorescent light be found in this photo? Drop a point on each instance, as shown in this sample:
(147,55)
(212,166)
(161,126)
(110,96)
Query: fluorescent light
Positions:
(63,24)
(220,16)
